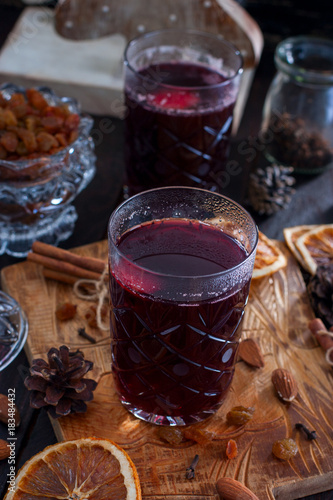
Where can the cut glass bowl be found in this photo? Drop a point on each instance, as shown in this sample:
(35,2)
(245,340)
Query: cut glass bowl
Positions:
(36,194)
(13,329)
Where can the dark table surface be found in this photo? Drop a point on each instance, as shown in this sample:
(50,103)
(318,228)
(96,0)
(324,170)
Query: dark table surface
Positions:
(312,203)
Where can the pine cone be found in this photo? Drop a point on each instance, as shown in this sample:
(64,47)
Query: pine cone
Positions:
(270,189)
(58,384)
(320,290)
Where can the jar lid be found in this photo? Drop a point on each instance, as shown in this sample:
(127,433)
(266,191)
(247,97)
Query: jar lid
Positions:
(307,59)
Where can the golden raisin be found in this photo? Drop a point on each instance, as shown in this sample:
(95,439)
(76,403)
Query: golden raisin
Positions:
(285,448)
(61,138)
(21,149)
(9,118)
(36,99)
(200,436)
(231,449)
(239,415)
(66,311)
(30,119)
(91,315)
(28,138)
(16,99)
(52,124)
(9,141)
(46,141)
(172,435)
(72,122)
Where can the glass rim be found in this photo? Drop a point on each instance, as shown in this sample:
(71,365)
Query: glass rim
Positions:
(295,68)
(203,34)
(189,278)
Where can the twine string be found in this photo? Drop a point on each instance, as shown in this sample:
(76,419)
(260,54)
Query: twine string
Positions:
(96,290)
(329,351)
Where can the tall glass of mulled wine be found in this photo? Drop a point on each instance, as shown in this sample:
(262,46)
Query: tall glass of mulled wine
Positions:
(181,262)
(180,91)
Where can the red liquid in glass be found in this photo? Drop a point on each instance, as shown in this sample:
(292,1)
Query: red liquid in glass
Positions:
(174,359)
(177,134)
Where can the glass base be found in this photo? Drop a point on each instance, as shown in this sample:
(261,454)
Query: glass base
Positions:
(17,239)
(168,420)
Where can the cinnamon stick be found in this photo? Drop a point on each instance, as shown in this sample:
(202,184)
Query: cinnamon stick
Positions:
(59,276)
(67,279)
(90,263)
(63,267)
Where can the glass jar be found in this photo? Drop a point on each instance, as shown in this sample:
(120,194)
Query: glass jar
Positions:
(297,126)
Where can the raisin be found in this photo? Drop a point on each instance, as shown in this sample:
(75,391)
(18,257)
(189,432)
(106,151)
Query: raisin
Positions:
(61,138)
(9,117)
(200,436)
(239,415)
(73,136)
(21,149)
(171,435)
(16,99)
(46,141)
(28,138)
(20,110)
(33,122)
(52,124)
(2,119)
(72,122)
(231,449)
(36,99)
(9,141)
(285,448)
(66,311)
(91,315)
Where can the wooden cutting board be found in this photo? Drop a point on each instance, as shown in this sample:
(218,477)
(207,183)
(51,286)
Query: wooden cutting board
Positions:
(276,316)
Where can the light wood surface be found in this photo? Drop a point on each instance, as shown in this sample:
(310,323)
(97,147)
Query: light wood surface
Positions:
(276,316)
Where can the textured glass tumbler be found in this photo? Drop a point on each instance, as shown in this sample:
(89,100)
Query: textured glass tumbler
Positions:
(181,261)
(180,91)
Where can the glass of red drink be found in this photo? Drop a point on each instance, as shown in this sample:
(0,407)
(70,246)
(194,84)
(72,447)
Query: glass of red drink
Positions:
(181,261)
(180,90)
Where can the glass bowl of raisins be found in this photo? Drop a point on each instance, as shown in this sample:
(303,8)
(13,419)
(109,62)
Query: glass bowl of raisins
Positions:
(46,159)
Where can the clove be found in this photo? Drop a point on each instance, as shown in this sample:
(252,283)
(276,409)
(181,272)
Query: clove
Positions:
(82,332)
(310,435)
(190,471)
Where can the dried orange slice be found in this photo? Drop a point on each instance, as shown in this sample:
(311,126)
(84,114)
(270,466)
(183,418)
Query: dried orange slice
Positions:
(291,235)
(83,469)
(316,247)
(269,258)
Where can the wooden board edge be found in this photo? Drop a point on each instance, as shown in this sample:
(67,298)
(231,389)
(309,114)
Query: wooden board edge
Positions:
(248,25)
(311,486)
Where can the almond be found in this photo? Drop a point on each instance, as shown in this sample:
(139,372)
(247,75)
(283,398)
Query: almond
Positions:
(5,404)
(4,449)
(284,384)
(249,351)
(230,489)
